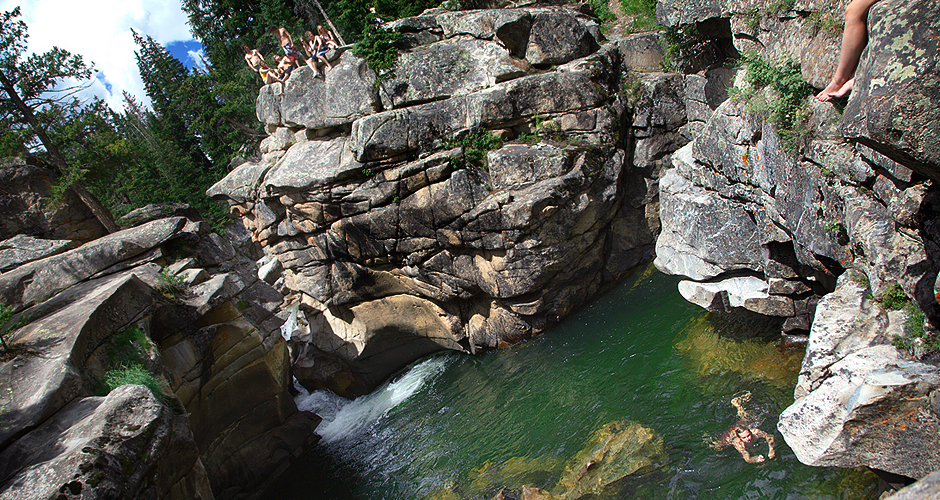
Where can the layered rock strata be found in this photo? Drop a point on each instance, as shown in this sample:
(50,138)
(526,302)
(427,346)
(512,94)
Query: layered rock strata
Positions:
(814,230)
(207,333)
(397,237)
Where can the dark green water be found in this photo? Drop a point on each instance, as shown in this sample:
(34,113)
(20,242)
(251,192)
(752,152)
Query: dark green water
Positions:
(457,426)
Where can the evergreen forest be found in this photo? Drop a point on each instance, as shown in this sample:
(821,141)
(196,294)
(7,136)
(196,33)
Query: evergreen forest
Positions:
(197,121)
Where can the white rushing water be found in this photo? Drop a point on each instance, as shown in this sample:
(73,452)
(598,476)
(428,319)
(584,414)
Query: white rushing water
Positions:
(287,329)
(343,417)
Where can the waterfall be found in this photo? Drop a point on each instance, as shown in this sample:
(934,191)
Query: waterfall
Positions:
(343,417)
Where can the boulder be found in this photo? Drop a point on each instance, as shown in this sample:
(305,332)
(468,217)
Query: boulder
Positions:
(859,401)
(927,487)
(452,67)
(156,211)
(558,37)
(37,281)
(21,249)
(125,445)
(336,98)
(510,27)
(894,107)
(25,200)
(612,453)
(40,385)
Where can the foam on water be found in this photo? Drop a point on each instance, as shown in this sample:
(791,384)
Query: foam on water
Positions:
(343,417)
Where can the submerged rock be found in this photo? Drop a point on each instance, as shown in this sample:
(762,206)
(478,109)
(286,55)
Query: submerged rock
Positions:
(613,452)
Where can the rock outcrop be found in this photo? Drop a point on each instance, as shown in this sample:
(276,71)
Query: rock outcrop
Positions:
(217,420)
(814,228)
(26,201)
(403,225)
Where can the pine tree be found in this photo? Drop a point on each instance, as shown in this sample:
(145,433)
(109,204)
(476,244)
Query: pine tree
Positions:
(35,85)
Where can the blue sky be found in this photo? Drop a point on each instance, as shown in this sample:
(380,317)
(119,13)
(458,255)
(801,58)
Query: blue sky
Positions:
(100,31)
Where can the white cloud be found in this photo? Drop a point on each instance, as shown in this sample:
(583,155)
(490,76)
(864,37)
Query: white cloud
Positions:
(100,31)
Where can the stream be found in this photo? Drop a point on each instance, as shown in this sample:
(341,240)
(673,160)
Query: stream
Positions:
(453,426)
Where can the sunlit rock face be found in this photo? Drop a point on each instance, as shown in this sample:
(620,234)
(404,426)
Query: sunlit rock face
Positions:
(404,230)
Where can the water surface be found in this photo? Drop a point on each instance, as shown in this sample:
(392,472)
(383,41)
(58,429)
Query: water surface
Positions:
(458,426)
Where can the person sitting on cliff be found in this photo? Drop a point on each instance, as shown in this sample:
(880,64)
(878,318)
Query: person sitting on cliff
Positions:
(255,61)
(308,42)
(287,43)
(854,39)
(326,44)
(285,66)
(743,437)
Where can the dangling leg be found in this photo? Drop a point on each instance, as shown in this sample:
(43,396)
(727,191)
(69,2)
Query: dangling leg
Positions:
(854,39)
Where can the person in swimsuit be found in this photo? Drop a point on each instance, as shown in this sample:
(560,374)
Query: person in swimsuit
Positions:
(742,436)
(287,43)
(324,42)
(311,45)
(285,65)
(854,39)
(255,61)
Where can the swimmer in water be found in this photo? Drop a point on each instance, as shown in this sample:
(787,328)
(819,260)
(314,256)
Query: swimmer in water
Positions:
(743,437)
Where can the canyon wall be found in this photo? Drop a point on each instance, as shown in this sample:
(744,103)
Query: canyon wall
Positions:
(469,198)
(821,222)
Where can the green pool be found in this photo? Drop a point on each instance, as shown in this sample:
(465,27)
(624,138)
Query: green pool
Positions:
(459,427)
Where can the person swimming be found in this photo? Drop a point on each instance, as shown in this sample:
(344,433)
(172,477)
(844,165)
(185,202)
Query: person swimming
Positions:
(745,438)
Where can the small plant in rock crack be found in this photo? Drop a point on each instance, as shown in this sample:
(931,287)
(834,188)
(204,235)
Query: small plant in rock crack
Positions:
(8,325)
(475,147)
(171,286)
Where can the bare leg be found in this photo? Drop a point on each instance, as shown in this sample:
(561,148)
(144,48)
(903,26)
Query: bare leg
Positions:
(854,39)
(736,403)
(313,66)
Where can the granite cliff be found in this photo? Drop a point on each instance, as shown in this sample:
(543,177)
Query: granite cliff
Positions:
(823,230)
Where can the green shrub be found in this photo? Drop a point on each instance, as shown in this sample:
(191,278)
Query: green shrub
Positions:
(894,298)
(128,354)
(170,285)
(683,43)
(645,12)
(786,106)
(378,47)
(475,147)
(131,374)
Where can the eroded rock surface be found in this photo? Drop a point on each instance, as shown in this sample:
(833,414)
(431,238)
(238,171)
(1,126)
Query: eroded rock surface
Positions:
(206,330)
(398,240)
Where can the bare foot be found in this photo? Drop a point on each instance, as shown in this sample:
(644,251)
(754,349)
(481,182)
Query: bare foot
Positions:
(835,90)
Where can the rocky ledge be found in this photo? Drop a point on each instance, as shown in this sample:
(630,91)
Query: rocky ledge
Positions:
(166,302)
(822,227)
(468,199)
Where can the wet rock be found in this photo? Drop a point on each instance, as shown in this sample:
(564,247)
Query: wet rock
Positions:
(613,452)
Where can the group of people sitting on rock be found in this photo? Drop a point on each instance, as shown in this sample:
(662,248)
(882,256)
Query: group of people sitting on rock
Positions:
(315,46)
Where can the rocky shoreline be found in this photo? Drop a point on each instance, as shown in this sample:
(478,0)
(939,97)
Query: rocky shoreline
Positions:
(512,166)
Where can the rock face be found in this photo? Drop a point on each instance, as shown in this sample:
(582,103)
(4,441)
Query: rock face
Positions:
(805,230)
(400,234)
(860,401)
(25,197)
(223,422)
(895,104)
